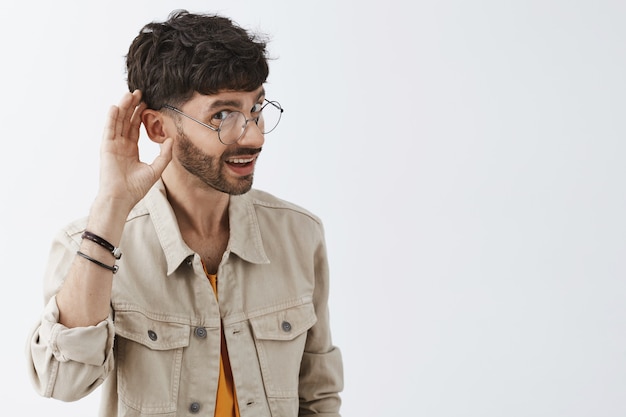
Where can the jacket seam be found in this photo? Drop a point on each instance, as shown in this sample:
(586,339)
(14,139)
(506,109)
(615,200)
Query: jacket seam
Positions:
(243,316)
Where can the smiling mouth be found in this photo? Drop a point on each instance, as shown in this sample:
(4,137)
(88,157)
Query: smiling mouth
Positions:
(240,161)
(241,166)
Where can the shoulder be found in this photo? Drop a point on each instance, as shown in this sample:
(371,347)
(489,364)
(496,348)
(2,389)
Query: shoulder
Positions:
(264,201)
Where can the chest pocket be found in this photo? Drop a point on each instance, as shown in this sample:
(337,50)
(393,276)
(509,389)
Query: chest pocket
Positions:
(148,355)
(280,338)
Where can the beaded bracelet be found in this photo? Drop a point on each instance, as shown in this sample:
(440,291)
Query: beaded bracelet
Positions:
(113,268)
(116,252)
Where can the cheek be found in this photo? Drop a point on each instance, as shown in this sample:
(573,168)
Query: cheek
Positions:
(206,148)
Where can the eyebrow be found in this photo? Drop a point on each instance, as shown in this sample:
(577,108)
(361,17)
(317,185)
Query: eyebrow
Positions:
(232,103)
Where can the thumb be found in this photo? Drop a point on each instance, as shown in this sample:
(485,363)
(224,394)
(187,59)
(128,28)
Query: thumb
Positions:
(164,157)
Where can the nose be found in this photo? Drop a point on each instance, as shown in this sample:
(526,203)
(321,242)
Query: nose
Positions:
(252,135)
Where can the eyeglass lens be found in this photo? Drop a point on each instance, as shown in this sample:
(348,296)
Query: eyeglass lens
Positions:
(233,126)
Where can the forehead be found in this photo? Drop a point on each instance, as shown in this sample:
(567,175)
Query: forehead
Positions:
(237,99)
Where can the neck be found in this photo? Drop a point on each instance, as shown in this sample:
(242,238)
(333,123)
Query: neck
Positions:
(200,211)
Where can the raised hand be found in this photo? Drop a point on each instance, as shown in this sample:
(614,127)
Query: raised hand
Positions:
(124,179)
(85,297)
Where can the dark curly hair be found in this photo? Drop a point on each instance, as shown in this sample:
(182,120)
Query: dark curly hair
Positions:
(169,61)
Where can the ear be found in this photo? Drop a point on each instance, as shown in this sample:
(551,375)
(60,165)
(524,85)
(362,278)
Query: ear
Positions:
(155,125)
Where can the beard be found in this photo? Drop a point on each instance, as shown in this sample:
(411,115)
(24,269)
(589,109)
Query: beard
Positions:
(211,170)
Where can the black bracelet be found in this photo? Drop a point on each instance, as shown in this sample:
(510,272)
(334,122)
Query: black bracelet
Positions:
(117,253)
(113,268)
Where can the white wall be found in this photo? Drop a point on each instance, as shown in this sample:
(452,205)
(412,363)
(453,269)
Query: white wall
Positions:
(465,156)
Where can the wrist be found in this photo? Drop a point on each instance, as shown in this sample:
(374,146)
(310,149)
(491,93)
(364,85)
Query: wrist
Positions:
(107,217)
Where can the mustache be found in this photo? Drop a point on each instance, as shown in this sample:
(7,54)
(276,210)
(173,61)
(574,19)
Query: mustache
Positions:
(241,152)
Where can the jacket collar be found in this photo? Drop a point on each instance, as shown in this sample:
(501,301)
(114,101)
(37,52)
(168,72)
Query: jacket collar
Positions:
(245,235)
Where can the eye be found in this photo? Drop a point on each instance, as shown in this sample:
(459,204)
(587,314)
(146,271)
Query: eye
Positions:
(257,108)
(220,116)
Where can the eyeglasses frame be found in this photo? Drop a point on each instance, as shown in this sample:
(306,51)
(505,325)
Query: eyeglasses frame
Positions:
(219,128)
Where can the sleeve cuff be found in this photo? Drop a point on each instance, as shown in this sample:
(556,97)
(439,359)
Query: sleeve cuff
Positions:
(90,345)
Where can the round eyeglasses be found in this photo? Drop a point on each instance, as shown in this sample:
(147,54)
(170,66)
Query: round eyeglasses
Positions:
(233,125)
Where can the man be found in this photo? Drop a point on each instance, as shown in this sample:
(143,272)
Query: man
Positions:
(219,304)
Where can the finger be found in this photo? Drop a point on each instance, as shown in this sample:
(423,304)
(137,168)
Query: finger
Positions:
(129,110)
(165,156)
(110,123)
(135,121)
(122,108)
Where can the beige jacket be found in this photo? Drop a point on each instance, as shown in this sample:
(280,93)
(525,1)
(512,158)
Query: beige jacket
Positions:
(158,353)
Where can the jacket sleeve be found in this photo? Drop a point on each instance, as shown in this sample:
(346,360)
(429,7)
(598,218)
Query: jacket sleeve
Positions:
(321,372)
(65,363)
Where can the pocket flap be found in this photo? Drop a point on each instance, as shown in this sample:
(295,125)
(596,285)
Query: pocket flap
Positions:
(154,334)
(284,324)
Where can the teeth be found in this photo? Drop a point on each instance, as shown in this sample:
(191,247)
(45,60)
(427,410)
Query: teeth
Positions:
(240,161)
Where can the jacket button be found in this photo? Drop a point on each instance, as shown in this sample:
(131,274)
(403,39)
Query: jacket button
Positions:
(200,332)
(194,407)
(286,326)
(152,335)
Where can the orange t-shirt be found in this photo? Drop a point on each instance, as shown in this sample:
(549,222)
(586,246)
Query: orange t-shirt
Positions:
(226,402)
